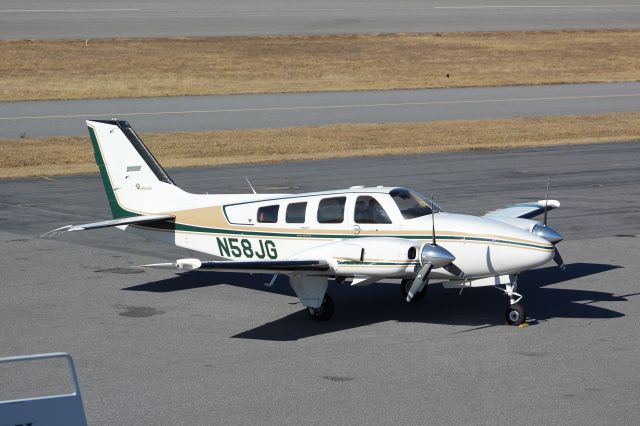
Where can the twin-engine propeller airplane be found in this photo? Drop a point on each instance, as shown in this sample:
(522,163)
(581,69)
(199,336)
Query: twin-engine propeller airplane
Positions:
(360,235)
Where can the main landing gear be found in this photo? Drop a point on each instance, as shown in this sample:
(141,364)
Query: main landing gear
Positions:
(324,312)
(515,313)
(405,286)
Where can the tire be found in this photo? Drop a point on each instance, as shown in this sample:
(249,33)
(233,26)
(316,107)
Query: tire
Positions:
(324,312)
(515,315)
(405,286)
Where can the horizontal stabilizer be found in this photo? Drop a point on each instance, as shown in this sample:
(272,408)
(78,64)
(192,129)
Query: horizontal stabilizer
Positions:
(258,266)
(107,223)
(524,210)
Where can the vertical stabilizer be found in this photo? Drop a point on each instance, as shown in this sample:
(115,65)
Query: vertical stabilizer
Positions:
(133,179)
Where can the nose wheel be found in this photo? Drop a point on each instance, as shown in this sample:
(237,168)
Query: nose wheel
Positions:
(515,314)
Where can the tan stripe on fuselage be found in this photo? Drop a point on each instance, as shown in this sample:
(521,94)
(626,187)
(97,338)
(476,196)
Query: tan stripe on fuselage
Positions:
(213,217)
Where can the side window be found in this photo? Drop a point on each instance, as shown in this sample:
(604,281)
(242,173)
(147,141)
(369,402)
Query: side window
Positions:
(369,210)
(331,210)
(268,214)
(296,212)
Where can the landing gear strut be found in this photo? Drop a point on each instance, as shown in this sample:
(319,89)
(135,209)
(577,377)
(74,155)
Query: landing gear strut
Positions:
(405,286)
(515,313)
(324,312)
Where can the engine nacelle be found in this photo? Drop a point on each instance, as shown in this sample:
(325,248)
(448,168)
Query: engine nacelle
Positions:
(371,256)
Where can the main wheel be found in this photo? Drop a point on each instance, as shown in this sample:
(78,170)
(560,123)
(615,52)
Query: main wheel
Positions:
(405,286)
(324,312)
(515,315)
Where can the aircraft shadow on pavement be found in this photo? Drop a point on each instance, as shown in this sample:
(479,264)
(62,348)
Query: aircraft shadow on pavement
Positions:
(199,279)
(360,306)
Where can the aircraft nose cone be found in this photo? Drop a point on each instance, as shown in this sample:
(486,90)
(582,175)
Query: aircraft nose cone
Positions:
(548,233)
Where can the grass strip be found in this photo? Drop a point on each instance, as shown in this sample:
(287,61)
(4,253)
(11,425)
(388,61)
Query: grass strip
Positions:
(71,155)
(83,69)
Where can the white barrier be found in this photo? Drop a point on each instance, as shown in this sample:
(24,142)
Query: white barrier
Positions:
(53,410)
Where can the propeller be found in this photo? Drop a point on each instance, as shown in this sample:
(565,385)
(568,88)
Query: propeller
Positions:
(548,233)
(432,256)
(546,202)
(558,259)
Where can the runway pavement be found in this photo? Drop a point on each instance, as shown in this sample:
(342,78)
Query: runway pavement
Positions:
(155,348)
(151,18)
(199,113)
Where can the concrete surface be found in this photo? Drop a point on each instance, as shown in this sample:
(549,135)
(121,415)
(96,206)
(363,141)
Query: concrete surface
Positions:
(156,348)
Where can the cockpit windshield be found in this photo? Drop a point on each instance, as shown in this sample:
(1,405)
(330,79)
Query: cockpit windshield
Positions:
(412,204)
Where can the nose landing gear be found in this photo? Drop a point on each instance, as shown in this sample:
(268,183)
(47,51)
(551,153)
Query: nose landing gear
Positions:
(515,313)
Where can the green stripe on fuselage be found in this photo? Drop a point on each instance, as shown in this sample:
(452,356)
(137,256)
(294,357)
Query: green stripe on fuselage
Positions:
(200,229)
(116,210)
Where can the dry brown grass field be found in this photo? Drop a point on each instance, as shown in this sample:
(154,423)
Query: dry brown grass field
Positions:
(80,69)
(69,155)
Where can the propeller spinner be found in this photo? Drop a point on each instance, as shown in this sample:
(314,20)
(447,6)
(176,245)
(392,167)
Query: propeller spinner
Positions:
(548,233)
(432,256)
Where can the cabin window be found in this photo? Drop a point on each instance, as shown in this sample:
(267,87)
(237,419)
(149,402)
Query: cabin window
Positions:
(268,214)
(369,210)
(296,212)
(331,210)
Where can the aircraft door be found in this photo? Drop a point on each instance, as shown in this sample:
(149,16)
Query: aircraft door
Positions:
(370,216)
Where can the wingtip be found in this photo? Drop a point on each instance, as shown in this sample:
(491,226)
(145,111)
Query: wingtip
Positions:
(550,203)
(57,231)
(167,265)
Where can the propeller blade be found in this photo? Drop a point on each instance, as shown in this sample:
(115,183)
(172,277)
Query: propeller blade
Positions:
(420,281)
(433,225)
(546,203)
(454,270)
(558,259)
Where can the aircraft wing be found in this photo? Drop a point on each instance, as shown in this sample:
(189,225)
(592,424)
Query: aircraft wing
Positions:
(114,222)
(524,210)
(256,266)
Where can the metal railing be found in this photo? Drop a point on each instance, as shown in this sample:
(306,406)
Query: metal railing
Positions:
(64,409)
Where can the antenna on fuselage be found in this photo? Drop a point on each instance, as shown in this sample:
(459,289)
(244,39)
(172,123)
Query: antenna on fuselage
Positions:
(250,186)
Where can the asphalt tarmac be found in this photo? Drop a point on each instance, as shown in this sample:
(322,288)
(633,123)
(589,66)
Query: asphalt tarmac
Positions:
(199,113)
(59,19)
(152,347)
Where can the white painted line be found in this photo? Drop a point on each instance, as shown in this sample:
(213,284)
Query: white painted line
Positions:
(320,107)
(276,10)
(65,10)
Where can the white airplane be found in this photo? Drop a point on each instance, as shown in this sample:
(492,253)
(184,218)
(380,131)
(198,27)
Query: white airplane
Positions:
(360,235)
